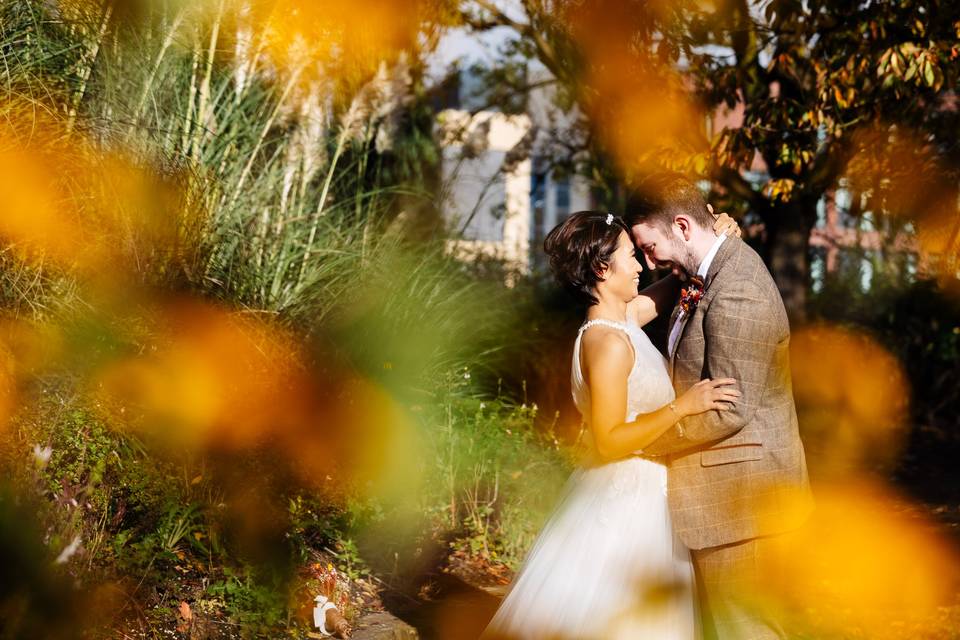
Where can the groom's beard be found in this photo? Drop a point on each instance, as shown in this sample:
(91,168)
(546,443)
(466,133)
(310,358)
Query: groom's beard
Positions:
(687,264)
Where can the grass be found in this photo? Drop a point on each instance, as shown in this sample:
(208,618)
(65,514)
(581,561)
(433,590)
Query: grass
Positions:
(496,477)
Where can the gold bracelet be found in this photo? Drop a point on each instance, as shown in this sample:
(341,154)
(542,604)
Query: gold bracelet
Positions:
(673,407)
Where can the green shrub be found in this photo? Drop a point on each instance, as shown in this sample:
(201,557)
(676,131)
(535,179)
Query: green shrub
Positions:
(495,476)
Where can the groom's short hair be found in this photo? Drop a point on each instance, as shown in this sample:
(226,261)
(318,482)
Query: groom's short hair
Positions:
(661,197)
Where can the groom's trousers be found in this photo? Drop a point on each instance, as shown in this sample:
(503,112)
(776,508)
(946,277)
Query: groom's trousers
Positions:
(729,584)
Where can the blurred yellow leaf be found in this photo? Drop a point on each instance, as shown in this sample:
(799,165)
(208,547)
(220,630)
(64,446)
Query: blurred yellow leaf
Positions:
(862,560)
(851,397)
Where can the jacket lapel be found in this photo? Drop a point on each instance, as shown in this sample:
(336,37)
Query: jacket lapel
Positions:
(726,250)
(673,315)
(683,326)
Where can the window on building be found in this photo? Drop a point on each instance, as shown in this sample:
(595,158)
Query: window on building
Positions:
(851,268)
(910,267)
(818,268)
(845,209)
(538,211)
(562,198)
(866,271)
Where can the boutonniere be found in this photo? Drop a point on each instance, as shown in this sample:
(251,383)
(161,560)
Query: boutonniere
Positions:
(691,294)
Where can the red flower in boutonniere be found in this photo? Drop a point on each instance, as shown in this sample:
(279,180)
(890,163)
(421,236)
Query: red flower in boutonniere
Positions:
(690,295)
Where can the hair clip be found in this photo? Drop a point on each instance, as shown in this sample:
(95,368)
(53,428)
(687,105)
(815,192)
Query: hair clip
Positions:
(609,218)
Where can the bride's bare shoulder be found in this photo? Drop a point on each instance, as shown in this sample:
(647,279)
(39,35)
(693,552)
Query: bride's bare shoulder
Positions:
(606,345)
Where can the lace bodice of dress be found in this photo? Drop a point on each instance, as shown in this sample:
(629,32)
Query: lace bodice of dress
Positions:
(648,385)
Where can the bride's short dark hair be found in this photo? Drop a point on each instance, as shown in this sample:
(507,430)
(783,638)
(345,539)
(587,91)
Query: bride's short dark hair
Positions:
(580,248)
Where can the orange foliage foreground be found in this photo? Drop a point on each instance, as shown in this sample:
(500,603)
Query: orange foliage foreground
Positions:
(861,564)
(852,397)
(209,380)
(201,379)
(640,105)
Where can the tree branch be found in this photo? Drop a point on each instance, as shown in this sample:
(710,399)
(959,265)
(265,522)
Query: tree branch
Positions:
(546,54)
(734,182)
(828,164)
(746,49)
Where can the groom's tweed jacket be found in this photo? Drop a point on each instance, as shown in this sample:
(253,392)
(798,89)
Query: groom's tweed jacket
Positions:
(739,474)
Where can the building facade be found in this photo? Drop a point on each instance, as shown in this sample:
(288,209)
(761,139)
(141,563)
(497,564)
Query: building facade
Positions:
(501,198)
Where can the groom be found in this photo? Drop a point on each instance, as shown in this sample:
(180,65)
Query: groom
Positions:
(737,478)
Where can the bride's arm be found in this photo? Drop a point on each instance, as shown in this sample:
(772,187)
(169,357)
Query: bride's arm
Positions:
(609,359)
(654,300)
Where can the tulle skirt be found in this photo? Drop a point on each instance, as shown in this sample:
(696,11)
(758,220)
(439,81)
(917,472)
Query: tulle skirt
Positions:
(606,565)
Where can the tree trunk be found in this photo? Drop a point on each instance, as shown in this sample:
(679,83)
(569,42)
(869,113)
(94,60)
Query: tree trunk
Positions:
(788,253)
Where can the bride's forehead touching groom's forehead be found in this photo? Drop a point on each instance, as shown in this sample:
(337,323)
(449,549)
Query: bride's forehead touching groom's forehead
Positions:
(643,233)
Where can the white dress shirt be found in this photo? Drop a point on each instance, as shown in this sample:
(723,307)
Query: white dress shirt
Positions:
(702,272)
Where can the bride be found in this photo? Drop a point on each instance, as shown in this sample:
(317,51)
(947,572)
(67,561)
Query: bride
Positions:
(607,564)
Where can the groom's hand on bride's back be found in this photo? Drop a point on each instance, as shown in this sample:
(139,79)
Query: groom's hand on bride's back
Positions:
(724,224)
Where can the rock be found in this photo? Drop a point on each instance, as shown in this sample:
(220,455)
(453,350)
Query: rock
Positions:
(383,626)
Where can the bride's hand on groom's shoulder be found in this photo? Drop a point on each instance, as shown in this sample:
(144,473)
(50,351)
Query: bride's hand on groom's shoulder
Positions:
(724,224)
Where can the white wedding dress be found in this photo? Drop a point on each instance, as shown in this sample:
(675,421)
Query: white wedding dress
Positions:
(607,564)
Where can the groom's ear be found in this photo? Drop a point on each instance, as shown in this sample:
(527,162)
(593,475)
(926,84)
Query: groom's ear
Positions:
(683,224)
